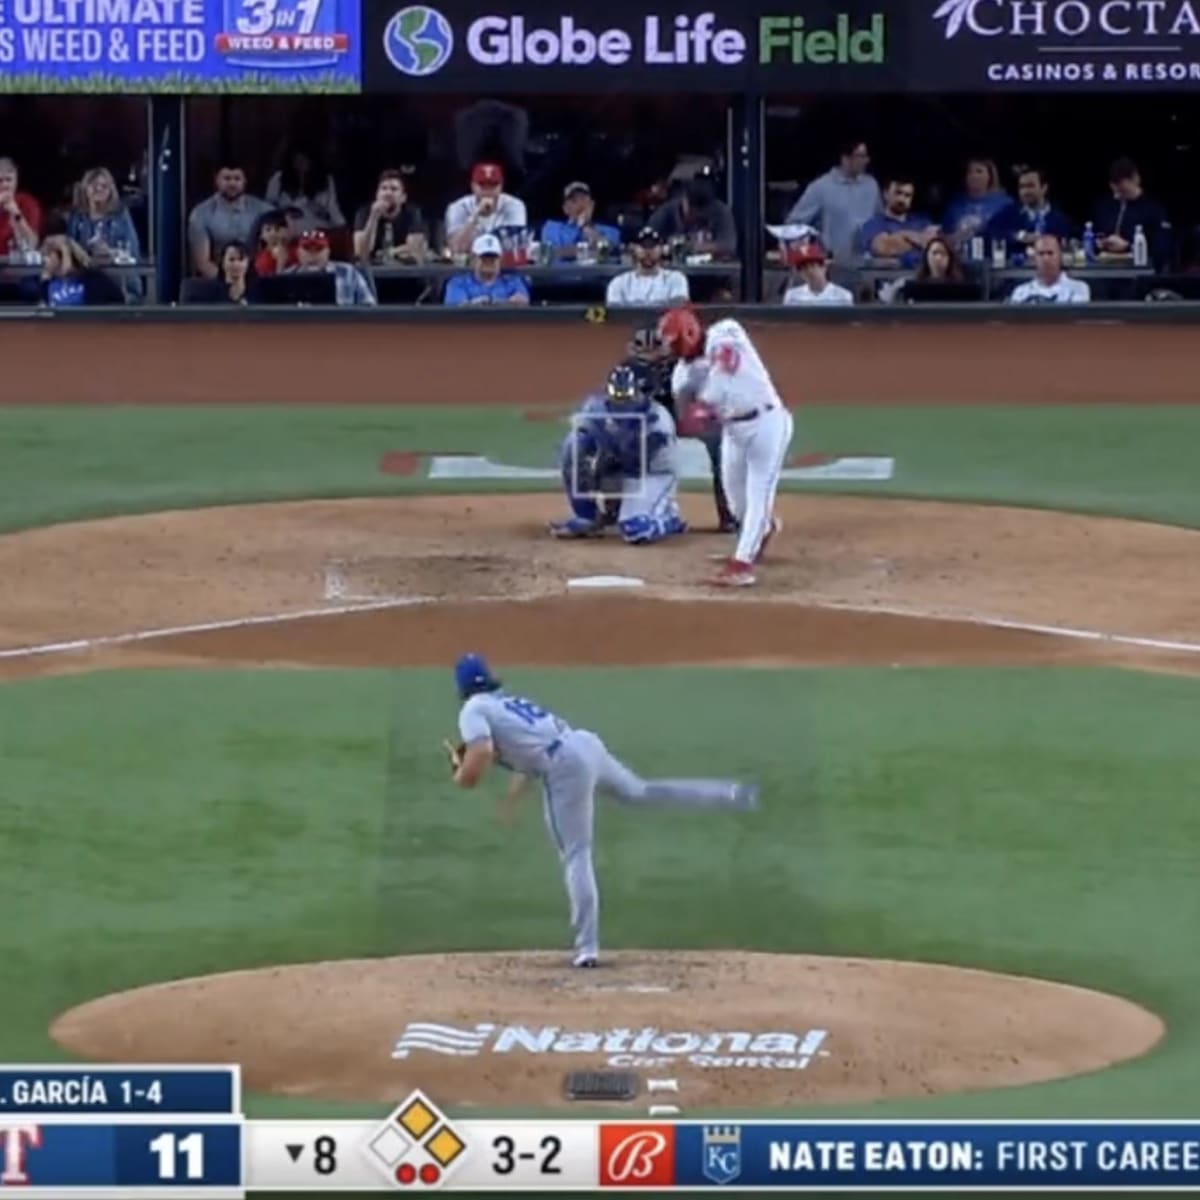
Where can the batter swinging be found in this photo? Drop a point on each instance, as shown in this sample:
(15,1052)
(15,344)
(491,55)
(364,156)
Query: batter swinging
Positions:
(720,371)
(499,727)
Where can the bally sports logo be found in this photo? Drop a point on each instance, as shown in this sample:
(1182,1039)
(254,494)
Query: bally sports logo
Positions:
(641,1156)
(646,1047)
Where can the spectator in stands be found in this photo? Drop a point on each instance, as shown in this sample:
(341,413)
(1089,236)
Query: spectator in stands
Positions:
(939,263)
(1019,225)
(1118,216)
(20,213)
(486,209)
(1050,284)
(276,247)
(303,181)
(699,215)
(234,285)
(313,254)
(840,202)
(972,211)
(486,283)
(809,260)
(390,229)
(580,225)
(69,280)
(649,284)
(897,232)
(101,224)
(228,215)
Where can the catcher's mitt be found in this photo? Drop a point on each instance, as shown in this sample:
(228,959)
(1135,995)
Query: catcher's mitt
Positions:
(454,753)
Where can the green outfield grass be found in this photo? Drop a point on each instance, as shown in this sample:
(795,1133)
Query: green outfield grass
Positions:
(71,463)
(166,823)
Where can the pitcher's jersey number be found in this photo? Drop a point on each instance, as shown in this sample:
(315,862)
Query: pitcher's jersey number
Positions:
(529,712)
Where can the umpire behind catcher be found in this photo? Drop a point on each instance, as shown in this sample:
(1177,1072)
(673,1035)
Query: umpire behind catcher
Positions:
(652,364)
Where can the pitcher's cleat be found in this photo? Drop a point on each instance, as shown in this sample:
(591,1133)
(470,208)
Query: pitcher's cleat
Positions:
(585,960)
(745,797)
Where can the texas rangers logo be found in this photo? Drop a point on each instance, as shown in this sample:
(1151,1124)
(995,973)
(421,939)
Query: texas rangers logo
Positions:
(722,1150)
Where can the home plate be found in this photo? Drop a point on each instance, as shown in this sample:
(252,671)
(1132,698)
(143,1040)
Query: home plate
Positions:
(606,581)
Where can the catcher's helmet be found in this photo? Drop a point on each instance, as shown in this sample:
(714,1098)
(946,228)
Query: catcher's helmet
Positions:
(622,386)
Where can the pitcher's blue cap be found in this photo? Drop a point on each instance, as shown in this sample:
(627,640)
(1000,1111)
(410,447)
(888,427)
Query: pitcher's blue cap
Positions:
(472,674)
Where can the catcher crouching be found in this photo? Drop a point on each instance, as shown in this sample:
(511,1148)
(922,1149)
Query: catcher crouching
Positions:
(620,466)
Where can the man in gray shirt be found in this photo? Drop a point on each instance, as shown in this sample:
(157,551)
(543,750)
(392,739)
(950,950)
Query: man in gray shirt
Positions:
(698,210)
(228,215)
(840,202)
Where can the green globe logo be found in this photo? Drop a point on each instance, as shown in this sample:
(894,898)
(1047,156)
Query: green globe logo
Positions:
(418,40)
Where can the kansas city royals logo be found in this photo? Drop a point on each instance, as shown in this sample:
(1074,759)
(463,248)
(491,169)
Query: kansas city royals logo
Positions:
(722,1150)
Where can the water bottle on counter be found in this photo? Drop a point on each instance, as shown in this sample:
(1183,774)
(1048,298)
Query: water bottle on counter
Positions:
(977,248)
(999,254)
(1089,242)
(1141,248)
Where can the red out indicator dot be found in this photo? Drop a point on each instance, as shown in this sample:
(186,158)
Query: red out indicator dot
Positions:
(430,1173)
(406,1173)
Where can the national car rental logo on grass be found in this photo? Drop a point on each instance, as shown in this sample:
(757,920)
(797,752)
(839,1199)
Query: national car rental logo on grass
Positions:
(623,1048)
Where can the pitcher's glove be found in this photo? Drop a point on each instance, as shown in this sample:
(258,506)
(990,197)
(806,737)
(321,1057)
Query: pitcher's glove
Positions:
(454,753)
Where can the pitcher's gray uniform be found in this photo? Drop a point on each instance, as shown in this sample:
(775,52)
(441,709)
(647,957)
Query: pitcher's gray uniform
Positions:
(571,765)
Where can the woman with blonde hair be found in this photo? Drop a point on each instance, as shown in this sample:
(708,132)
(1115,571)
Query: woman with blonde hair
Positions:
(983,196)
(69,280)
(101,223)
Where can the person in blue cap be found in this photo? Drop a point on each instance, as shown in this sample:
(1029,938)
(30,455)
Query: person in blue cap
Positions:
(498,727)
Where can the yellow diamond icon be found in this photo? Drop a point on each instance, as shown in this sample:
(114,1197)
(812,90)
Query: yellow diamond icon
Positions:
(445,1145)
(417,1119)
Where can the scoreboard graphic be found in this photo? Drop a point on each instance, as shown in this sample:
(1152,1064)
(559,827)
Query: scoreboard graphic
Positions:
(146,1131)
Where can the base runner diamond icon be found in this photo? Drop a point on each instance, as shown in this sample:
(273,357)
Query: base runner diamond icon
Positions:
(416,1148)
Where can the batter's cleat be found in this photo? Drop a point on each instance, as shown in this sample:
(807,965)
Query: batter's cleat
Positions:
(774,526)
(745,797)
(735,573)
(585,960)
(576,527)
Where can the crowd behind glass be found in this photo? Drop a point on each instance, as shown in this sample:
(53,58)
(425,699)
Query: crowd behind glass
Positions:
(846,238)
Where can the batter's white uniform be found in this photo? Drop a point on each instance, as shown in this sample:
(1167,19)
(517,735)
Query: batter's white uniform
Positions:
(756,428)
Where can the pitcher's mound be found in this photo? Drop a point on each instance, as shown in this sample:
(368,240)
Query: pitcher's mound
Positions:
(733,1029)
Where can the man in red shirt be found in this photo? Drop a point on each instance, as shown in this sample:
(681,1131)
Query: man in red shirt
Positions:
(20,213)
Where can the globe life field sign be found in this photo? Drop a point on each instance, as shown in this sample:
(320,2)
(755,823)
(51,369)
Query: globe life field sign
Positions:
(723,45)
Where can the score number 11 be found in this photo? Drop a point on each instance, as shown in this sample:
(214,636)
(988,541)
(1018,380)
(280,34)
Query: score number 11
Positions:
(168,1147)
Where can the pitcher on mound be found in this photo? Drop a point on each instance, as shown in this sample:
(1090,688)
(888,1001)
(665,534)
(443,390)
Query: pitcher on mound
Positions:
(721,375)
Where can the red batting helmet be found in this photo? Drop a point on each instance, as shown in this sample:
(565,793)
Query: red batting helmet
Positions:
(680,329)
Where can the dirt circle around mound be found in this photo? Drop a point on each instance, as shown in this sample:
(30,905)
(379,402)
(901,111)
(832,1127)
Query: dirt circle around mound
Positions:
(733,1029)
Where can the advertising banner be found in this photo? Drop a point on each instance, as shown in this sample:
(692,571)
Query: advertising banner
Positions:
(180,46)
(926,46)
(1054,45)
(623,45)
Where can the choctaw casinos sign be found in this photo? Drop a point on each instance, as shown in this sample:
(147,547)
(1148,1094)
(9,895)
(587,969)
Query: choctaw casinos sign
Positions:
(1047,45)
